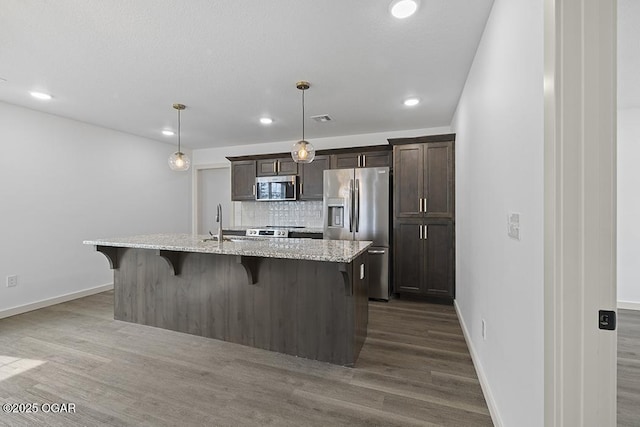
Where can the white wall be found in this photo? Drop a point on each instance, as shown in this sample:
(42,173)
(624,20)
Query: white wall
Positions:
(63,181)
(628,208)
(217,155)
(499,168)
(214,186)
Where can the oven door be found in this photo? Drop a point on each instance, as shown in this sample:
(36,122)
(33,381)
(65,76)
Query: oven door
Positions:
(270,188)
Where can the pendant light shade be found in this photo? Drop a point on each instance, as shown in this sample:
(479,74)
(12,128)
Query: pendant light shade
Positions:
(303,151)
(179,161)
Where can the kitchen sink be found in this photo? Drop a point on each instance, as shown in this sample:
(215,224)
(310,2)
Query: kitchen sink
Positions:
(237,239)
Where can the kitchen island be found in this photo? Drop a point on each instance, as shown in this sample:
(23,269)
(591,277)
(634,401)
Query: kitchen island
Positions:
(302,297)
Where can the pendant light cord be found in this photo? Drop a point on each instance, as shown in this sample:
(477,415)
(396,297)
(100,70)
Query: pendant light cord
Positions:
(303,114)
(179,131)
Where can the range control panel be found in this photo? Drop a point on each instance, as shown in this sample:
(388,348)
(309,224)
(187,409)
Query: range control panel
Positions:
(271,232)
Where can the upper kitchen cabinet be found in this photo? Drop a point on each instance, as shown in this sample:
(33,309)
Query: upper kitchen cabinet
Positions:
(243,180)
(363,158)
(311,178)
(424,180)
(277,166)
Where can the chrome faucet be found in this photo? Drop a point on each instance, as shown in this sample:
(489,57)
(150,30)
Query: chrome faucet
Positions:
(217,237)
(219,221)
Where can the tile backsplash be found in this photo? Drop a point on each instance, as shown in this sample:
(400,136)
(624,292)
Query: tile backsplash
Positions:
(305,214)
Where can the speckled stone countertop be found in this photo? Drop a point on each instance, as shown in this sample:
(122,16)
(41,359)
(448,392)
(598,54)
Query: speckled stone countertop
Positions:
(291,230)
(307,249)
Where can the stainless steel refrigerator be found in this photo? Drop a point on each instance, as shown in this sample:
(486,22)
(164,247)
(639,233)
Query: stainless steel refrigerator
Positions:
(356,207)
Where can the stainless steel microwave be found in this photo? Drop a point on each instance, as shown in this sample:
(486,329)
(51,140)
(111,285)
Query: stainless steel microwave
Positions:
(270,188)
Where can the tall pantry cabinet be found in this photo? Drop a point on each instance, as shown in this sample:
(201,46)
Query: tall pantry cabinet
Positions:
(424,215)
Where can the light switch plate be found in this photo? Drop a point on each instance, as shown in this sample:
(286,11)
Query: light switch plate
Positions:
(513,225)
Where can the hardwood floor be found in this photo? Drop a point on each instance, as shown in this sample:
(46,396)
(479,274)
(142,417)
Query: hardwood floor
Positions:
(414,369)
(628,368)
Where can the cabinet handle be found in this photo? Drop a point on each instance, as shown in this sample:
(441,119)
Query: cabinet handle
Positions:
(278,167)
(300,188)
(424,209)
(254,189)
(425,232)
(358,160)
(420,227)
(274,166)
(420,203)
(364,160)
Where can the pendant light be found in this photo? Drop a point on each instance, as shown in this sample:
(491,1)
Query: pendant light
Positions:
(302,151)
(179,161)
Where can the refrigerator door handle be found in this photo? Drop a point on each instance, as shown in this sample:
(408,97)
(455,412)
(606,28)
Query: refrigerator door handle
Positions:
(350,205)
(357,200)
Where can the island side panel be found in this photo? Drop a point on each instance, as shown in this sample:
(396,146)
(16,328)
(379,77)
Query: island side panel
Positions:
(361,302)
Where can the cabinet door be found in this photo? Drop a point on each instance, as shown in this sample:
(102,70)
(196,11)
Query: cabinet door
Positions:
(267,167)
(345,160)
(438,180)
(243,180)
(408,177)
(286,166)
(408,256)
(311,176)
(439,260)
(376,159)
(281,166)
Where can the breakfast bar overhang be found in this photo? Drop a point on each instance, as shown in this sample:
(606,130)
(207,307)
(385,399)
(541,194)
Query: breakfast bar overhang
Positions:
(302,297)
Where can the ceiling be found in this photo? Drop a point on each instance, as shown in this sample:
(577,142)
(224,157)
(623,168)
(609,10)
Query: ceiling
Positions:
(121,64)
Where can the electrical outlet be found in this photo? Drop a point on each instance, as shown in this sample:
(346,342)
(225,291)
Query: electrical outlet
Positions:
(484,330)
(12,281)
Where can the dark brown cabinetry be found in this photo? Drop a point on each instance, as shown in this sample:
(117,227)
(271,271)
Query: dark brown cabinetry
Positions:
(243,180)
(311,178)
(245,169)
(424,257)
(424,216)
(367,159)
(424,176)
(279,166)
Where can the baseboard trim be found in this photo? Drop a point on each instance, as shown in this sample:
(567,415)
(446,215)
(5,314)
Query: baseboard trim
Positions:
(484,384)
(53,301)
(629,305)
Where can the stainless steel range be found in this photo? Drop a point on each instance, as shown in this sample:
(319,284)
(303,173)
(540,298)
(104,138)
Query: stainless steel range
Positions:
(267,232)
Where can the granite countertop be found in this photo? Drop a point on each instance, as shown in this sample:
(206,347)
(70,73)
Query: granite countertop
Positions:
(291,230)
(306,249)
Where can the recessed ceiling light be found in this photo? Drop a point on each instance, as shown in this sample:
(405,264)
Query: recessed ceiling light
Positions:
(403,8)
(40,95)
(266,120)
(168,132)
(410,102)
(2,80)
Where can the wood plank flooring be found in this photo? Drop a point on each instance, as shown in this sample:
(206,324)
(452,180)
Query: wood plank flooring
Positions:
(414,370)
(629,368)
